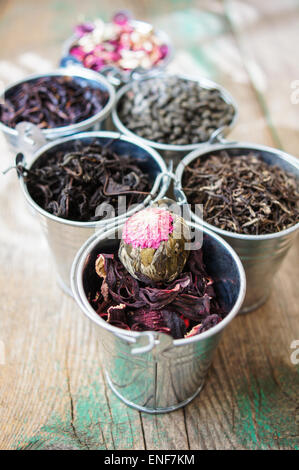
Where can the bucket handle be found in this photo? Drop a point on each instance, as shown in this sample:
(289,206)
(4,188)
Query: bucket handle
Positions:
(168,175)
(140,349)
(30,139)
(122,218)
(217,137)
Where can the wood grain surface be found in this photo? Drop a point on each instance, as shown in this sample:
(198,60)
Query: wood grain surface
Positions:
(53,394)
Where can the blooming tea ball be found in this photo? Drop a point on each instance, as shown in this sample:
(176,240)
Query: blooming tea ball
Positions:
(152,248)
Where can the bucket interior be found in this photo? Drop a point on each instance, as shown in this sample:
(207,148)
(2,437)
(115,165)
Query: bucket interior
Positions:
(82,81)
(271,158)
(274,157)
(143,159)
(219,262)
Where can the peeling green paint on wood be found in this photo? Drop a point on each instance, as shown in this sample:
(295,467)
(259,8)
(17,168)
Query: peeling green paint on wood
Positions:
(268,416)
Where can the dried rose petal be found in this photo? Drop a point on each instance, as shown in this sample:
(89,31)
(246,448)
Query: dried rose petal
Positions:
(82,29)
(121,18)
(164,50)
(125,44)
(78,52)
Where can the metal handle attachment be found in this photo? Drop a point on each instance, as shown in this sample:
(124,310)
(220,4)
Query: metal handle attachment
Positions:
(139,349)
(148,347)
(218,138)
(30,139)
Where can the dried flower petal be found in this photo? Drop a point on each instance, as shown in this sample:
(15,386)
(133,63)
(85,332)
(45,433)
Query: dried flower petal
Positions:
(120,324)
(182,308)
(121,18)
(121,43)
(117,313)
(209,322)
(83,28)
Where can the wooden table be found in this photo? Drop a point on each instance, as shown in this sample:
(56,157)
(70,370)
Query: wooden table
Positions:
(52,390)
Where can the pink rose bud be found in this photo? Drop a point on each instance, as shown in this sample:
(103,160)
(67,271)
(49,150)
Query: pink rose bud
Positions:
(164,50)
(121,18)
(83,28)
(78,52)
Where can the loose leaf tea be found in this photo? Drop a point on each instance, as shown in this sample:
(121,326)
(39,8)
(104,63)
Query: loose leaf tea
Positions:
(79,184)
(242,193)
(52,101)
(182,308)
(172,110)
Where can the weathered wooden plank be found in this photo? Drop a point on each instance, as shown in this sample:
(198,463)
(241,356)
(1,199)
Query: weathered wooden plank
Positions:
(269,50)
(52,390)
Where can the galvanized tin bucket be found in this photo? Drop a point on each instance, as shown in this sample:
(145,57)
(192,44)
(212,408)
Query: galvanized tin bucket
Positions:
(176,152)
(16,141)
(150,371)
(65,237)
(261,255)
(117,76)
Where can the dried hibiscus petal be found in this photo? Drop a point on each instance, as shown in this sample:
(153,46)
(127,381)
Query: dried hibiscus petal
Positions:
(120,324)
(183,308)
(209,322)
(117,313)
(191,306)
(194,331)
(152,319)
(175,323)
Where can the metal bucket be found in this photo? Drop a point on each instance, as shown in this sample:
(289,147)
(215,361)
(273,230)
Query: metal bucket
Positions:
(117,76)
(261,255)
(176,152)
(84,76)
(65,237)
(151,371)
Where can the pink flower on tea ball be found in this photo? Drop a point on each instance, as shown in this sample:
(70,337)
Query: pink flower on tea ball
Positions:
(152,248)
(148,228)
